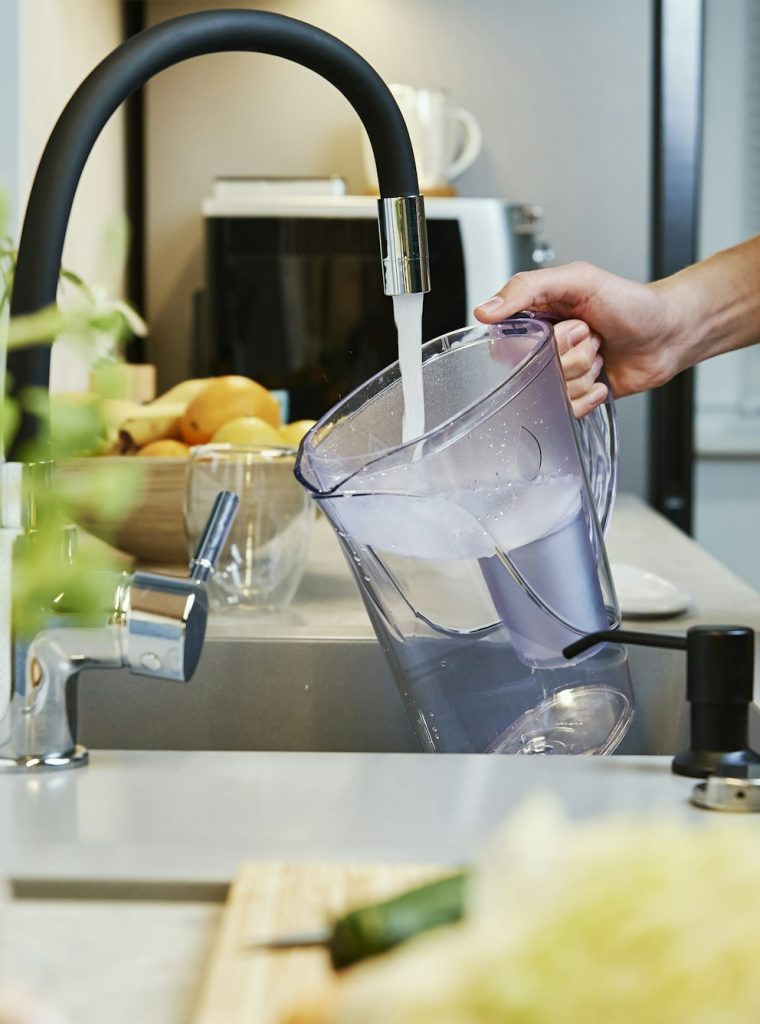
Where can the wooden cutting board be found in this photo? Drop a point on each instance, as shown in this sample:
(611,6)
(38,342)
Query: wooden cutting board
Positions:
(245,985)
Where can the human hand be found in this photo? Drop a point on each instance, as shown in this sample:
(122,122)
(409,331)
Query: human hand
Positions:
(629,328)
(581,363)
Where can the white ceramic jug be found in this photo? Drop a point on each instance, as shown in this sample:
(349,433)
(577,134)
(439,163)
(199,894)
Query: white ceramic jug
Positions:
(446,139)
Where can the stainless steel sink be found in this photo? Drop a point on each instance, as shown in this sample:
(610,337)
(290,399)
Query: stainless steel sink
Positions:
(315,678)
(317,694)
(257,694)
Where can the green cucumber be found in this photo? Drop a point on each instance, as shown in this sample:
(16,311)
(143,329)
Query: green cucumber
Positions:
(379,927)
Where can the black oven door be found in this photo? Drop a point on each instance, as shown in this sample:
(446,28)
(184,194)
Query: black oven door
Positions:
(297,304)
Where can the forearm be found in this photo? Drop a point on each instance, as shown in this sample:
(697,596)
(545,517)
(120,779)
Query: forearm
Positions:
(718,303)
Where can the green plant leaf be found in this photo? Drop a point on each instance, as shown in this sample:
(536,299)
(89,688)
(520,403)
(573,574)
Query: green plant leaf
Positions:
(102,492)
(76,280)
(45,584)
(35,328)
(133,319)
(10,420)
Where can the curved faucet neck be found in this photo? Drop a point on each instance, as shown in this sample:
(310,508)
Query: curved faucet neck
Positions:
(125,70)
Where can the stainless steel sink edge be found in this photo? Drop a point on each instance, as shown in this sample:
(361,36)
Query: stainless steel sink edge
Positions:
(319,694)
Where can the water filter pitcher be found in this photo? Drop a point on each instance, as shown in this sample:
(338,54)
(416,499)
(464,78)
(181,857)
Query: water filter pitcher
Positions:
(478,547)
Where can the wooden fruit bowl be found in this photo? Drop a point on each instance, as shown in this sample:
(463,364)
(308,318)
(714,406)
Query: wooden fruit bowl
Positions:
(151,527)
(149,523)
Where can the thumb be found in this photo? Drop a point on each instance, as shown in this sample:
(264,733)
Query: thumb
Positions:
(549,290)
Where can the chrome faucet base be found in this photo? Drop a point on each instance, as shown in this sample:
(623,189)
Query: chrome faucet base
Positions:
(155,627)
(78,757)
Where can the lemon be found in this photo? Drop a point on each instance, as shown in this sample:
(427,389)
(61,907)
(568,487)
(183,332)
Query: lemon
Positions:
(248,430)
(166,447)
(292,433)
(224,399)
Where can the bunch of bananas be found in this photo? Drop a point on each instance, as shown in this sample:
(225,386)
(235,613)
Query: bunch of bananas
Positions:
(229,409)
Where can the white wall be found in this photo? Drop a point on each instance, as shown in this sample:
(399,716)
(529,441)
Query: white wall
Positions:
(47,47)
(61,42)
(727,489)
(561,88)
(9,109)
(728,141)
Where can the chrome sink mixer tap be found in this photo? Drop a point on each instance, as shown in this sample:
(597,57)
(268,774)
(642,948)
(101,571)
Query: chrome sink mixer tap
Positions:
(156,628)
(159,622)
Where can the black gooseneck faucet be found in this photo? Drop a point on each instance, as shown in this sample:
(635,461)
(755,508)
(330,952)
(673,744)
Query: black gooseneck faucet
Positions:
(159,622)
(401,212)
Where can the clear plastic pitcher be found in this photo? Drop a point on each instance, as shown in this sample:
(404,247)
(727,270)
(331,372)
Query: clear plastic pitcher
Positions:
(478,547)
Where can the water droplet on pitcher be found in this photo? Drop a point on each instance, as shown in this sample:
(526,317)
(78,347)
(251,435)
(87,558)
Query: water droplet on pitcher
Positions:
(443,663)
(306,687)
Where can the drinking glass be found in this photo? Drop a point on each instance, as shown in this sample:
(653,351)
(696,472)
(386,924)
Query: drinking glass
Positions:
(264,559)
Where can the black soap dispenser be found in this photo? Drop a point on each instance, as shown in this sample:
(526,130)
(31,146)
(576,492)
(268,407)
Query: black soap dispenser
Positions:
(719,687)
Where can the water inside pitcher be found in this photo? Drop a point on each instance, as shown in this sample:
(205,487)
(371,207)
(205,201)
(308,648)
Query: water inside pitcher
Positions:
(478,547)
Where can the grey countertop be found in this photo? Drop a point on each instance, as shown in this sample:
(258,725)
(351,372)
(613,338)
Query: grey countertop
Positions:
(122,866)
(641,537)
(189,818)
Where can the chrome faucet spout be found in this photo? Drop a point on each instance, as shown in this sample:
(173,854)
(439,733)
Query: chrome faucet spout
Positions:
(128,68)
(403,245)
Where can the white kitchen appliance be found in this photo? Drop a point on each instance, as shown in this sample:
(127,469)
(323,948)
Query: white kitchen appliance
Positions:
(292,295)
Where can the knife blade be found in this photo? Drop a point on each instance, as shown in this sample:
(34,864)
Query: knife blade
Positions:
(319,938)
(379,927)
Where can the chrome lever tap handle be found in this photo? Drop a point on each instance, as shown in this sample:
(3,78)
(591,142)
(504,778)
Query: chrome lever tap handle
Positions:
(164,616)
(214,536)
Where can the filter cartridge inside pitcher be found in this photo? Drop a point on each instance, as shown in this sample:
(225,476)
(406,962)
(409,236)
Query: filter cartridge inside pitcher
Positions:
(547,591)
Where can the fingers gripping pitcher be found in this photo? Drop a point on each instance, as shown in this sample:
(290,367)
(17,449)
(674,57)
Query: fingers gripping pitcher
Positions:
(478,547)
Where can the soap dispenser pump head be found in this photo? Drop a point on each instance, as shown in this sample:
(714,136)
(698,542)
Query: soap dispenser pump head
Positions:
(720,663)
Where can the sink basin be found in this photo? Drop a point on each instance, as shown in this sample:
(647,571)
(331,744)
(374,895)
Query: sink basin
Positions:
(326,694)
(314,678)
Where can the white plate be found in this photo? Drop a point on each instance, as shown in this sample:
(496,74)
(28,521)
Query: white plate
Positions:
(645,595)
